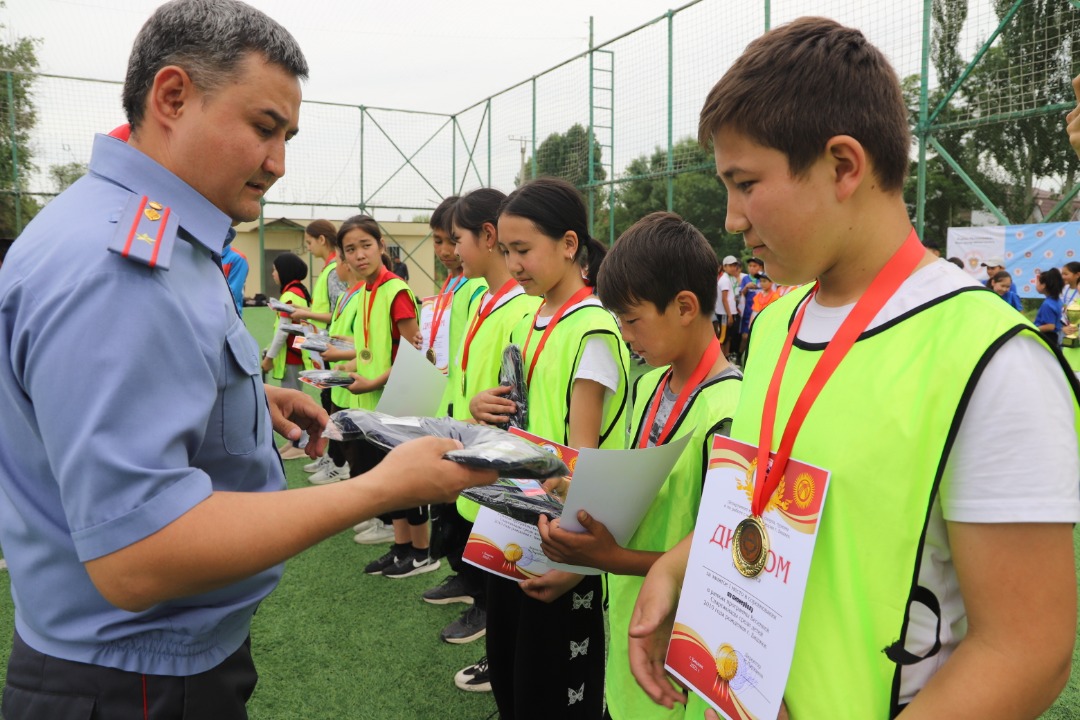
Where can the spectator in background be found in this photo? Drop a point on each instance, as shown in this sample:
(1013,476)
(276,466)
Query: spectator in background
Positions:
(993,266)
(1048,319)
(957,262)
(1001,283)
(400,269)
(235,267)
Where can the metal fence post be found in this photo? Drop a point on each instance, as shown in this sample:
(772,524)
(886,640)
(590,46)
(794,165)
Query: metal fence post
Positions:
(670,112)
(532,163)
(591,137)
(489,141)
(15,182)
(363,112)
(921,130)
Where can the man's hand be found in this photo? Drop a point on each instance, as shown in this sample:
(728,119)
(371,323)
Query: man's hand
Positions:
(415,473)
(550,586)
(595,548)
(293,413)
(490,407)
(1073,118)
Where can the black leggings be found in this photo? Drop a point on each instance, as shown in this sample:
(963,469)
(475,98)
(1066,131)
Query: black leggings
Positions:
(546,659)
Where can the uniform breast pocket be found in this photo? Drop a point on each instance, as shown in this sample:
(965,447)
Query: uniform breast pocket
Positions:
(243,404)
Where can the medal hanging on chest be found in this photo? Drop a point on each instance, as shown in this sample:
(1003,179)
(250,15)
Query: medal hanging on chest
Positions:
(750,542)
(365,354)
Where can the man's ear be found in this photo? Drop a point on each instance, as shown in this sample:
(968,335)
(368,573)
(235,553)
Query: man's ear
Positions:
(849,165)
(170,94)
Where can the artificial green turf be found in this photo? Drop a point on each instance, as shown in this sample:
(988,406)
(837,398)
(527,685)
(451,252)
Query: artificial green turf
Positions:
(331,642)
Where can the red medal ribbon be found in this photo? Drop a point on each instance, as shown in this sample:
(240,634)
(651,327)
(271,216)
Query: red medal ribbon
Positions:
(884,286)
(481,316)
(369,302)
(574,300)
(696,378)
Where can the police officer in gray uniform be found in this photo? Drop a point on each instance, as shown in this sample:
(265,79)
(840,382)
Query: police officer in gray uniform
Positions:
(143,510)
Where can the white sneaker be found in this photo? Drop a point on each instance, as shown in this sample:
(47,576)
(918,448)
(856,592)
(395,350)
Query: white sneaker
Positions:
(317,465)
(329,475)
(366,524)
(377,534)
(3,564)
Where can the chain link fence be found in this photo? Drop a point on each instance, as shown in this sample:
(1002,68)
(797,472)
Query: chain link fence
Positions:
(988,83)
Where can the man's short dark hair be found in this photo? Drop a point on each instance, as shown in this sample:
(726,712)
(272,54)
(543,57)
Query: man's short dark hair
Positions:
(208,39)
(802,83)
(658,257)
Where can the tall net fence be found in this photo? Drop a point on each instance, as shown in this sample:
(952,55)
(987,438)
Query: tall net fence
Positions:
(987,82)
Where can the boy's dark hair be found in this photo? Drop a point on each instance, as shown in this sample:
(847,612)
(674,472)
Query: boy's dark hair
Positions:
(756,261)
(999,276)
(556,207)
(358,222)
(957,262)
(802,83)
(1052,282)
(442,216)
(658,257)
(475,208)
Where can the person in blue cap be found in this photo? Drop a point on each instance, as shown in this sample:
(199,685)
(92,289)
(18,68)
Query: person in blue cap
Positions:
(145,515)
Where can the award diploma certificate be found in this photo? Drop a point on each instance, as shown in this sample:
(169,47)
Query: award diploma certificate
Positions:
(734,636)
(434,310)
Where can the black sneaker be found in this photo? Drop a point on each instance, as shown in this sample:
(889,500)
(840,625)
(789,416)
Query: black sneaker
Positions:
(387,561)
(411,565)
(451,590)
(474,678)
(472,625)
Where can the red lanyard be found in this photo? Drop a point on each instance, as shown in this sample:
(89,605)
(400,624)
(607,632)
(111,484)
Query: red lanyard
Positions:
(481,316)
(574,300)
(439,305)
(369,302)
(884,286)
(346,298)
(700,373)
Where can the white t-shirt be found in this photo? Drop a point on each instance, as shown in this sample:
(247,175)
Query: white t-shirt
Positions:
(992,455)
(597,362)
(723,283)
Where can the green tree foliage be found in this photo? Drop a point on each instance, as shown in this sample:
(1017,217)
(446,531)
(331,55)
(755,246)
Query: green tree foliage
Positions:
(64,175)
(697,195)
(566,155)
(19,58)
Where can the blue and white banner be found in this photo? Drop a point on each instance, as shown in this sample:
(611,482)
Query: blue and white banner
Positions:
(1027,250)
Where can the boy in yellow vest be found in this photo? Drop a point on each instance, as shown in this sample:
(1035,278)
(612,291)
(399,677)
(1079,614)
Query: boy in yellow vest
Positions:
(942,583)
(660,281)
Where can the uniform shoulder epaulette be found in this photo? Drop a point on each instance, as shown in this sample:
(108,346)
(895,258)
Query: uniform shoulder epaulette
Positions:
(146,232)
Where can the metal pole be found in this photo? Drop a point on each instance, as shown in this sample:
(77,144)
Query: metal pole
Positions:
(16,184)
(453,156)
(533,162)
(921,131)
(489,141)
(363,112)
(768,15)
(670,112)
(968,181)
(262,248)
(592,124)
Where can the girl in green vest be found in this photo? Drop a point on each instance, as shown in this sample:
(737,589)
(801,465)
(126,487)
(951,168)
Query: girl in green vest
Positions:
(1070,300)
(385,315)
(545,636)
(281,359)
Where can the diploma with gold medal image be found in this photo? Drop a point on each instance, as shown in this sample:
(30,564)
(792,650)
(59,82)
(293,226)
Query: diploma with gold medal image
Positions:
(734,632)
(435,329)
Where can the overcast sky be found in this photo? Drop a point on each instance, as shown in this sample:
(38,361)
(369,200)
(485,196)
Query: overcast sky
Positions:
(416,54)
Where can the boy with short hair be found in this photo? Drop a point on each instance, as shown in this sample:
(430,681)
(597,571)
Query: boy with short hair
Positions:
(942,547)
(659,280)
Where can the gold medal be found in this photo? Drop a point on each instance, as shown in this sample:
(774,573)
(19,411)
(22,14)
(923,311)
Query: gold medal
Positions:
(152,214)
(750,546)
(365,355)
(155,205)
(431,355)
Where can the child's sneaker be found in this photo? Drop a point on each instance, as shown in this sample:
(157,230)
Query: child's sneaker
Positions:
(330,474)
(319,464)
(472,625)
(474,678)
(394,555)
(451,590)
(375,533)
(411,564)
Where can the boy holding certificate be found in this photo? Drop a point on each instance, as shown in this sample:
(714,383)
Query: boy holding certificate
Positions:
(660,281)
(944,553)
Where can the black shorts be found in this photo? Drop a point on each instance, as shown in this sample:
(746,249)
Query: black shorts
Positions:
(40,686)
